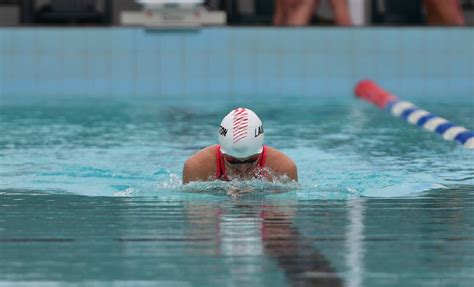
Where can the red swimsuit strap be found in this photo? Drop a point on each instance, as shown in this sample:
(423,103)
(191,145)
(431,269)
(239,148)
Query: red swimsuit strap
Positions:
(220,166)
(263,157)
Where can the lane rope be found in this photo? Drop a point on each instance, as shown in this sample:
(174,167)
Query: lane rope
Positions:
(368,90)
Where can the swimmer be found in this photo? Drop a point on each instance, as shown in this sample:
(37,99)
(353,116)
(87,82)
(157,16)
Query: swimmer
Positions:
(240,154)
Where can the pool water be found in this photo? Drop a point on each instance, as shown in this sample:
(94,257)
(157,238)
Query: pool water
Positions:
(90,193)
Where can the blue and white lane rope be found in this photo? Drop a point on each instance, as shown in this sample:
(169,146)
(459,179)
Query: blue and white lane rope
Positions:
(409,112)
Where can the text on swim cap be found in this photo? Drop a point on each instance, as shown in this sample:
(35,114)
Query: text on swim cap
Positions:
(222,131)
(258,131)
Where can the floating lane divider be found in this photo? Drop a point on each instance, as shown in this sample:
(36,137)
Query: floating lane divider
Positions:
(371,92)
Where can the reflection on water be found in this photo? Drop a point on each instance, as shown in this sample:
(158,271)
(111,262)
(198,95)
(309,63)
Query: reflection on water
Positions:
(227,242)
(355,241)
(247,229)
(251,242)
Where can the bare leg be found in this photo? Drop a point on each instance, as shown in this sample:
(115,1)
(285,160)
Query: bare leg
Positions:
(341,13)
(280,14)
(444,12)
(432,14)
(300,11)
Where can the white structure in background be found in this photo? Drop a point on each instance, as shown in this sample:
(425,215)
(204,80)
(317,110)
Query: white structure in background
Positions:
(358,11)
(167,14)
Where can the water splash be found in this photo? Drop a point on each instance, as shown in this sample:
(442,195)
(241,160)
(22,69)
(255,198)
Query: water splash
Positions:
(238,188)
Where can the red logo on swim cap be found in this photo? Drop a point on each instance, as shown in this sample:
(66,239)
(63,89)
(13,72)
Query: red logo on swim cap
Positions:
(240,124)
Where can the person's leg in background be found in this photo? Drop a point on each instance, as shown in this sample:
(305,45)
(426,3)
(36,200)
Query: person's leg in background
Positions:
(432,17)
(444,12)
(279,16)
(342,16)
(294,12)
(301,11)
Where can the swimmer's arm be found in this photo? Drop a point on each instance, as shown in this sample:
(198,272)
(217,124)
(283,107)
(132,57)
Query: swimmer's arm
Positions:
(193,170)
(283,165)
(200,166)
(190,171)
(291,170)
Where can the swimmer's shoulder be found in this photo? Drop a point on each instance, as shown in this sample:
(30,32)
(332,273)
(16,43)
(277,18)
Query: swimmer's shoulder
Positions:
(281,163)
(201,165)
(205,154)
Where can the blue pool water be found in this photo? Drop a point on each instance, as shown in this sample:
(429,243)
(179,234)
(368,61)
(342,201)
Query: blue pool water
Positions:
(90,191)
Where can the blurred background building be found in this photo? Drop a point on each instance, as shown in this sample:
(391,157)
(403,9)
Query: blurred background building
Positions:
(238,12)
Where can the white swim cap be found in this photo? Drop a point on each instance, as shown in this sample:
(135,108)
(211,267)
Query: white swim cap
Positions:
(241,133)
